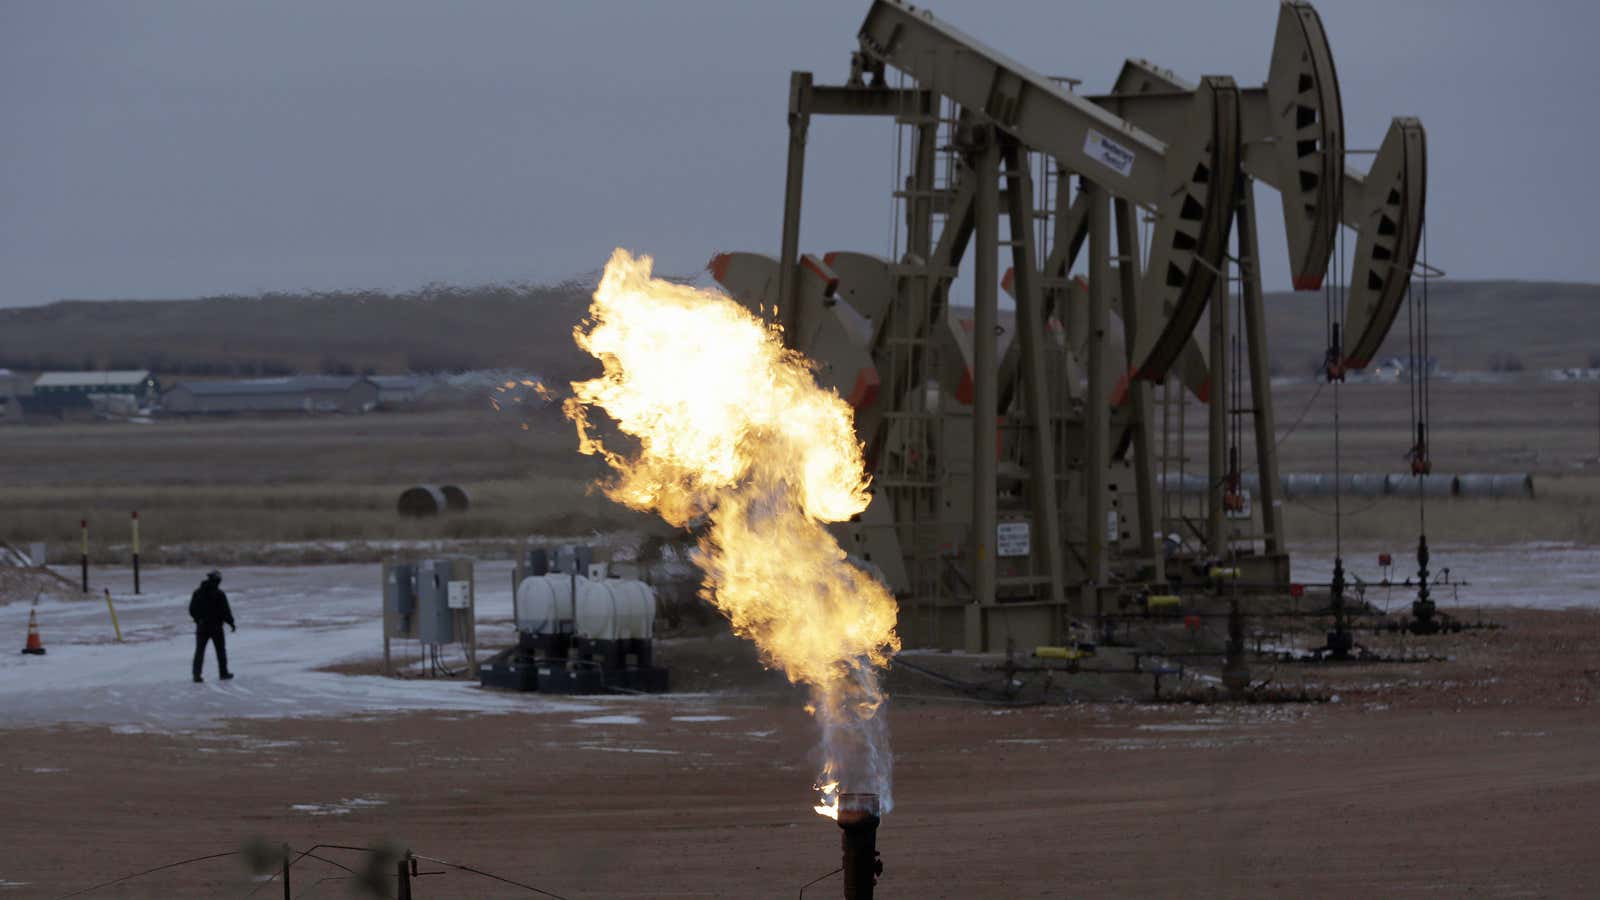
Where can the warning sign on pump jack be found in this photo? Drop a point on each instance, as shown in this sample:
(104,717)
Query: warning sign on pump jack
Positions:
(1104,150)
(1011,539)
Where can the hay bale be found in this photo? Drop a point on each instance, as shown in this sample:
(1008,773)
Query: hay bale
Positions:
(421,501)
(455,498)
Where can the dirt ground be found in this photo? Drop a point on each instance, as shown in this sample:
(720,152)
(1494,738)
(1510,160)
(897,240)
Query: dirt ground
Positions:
(1474,776)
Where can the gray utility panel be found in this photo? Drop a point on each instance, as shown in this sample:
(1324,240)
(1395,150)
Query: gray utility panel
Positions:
(443,586)
(400,596)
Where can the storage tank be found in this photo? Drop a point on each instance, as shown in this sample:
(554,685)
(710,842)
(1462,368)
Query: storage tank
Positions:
(606,610)
(542,605)
(636,609)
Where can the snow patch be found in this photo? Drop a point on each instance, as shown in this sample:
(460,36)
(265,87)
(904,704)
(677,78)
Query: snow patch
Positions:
(339,808)
(1181,727)
(609,720)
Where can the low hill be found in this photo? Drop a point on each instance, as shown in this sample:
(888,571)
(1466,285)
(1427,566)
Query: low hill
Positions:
(429,330)
(1475,325)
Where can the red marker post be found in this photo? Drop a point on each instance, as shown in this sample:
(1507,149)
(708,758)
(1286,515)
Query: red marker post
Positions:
(83,552)
(136,552)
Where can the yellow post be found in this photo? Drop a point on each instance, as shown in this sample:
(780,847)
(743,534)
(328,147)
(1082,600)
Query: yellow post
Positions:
(113,608)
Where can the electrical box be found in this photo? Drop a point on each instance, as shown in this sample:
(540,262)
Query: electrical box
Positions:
(400,590)
(430,600)
(399,600)
(435,619)
(573,560)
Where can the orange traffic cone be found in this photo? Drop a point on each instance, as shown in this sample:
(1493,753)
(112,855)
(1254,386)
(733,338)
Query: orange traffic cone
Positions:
(34,645)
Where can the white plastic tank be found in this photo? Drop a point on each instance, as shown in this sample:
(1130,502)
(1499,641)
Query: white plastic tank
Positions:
(544,602)
(636,609)
(607,609)
(597,611)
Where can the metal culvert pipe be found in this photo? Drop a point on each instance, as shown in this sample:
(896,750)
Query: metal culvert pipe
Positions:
(1405,485)
(1366,484)
(421,501)
(1307,484)
(1322,484)
(1499,485)
(1188,484)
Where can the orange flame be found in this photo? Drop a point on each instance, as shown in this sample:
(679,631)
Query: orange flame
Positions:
(830,801)
(732,426)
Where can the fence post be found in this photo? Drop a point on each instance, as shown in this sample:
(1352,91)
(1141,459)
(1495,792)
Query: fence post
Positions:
(83,552)
(403,873)
(136,552)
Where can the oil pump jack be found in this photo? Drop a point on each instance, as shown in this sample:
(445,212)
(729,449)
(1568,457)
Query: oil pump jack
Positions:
(1014,489)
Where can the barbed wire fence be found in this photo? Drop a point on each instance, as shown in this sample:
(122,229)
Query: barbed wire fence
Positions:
(385,870)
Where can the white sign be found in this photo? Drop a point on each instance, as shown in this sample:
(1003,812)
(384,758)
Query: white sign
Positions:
(1112,531)
(1109,153)
(459,595)
(1011,539)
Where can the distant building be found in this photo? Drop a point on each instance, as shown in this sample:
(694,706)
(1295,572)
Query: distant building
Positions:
(73,389)
(300,393)
(400,390)
(10,406)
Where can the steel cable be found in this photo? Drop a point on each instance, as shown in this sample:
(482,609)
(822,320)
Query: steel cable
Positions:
(172,865)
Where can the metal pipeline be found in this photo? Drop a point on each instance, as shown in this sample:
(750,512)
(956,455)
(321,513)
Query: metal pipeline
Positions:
(858,819)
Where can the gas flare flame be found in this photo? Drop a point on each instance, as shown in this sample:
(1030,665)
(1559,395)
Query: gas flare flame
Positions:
(830,801)
(731,426)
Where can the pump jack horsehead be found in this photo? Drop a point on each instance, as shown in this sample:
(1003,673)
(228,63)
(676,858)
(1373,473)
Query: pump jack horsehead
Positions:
(993,532)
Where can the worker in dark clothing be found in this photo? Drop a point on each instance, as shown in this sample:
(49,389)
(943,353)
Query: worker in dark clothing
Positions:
(208,607)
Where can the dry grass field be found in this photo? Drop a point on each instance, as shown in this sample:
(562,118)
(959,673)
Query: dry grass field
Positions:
(256,482)
(237,489)
(1550,430)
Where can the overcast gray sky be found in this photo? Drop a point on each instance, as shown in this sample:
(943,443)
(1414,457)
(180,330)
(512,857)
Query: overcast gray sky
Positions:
(175,148)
